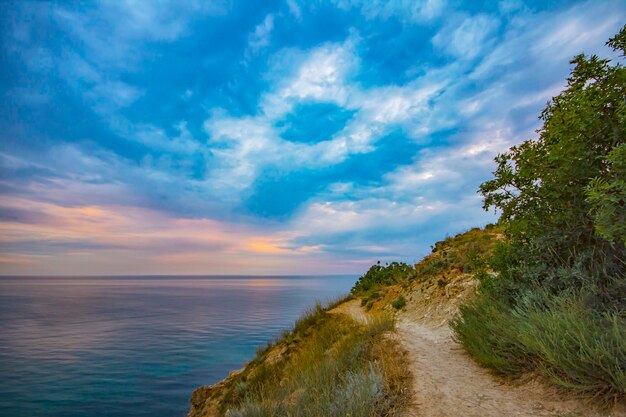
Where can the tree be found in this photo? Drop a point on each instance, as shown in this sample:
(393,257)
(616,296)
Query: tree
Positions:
(607,197)
(563,193)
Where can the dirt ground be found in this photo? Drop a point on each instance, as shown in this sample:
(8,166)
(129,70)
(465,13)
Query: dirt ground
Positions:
(448,383)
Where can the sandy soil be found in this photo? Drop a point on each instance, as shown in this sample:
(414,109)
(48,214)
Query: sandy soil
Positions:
(447,382)
(353,309)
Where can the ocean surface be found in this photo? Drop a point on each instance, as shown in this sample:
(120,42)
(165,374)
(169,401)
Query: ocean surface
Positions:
(137,346)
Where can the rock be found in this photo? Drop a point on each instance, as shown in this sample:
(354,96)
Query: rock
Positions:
(200,395)
(234,373)
(275,355)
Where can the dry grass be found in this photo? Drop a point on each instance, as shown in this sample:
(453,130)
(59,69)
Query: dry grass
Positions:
(329,365)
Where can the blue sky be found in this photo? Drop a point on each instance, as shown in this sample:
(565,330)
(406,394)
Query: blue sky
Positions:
(204,137)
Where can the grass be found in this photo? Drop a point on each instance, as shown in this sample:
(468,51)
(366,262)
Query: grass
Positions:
(330,366)
(464,252)
(399,302)
(578,348)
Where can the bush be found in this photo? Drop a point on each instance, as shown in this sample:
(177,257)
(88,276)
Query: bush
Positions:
(379,276)
(578,348)
(553,301)
(399,302)
(561,195)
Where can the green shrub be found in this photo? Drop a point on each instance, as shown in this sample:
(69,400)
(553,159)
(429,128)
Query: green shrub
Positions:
(379,276)
(399,302)
(578,348)
(488,334)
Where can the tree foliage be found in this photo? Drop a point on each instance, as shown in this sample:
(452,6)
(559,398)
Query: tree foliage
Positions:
(607,197)
(379,275)
(562,194)
(557,303)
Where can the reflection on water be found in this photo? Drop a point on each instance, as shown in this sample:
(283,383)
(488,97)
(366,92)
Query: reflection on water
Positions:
(136,346)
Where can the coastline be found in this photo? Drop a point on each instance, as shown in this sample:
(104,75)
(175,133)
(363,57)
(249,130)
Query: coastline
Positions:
(424,360)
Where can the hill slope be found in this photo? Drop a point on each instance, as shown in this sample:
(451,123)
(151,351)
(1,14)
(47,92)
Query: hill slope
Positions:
(423,370)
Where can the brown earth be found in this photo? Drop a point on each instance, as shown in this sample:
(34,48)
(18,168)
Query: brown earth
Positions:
(447,382)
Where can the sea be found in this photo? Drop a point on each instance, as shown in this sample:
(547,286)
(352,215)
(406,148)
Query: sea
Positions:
(137,346)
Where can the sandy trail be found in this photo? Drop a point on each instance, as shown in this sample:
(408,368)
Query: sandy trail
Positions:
(447,382)
(353,309)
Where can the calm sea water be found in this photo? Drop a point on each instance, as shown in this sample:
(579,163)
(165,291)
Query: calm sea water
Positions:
(137,346)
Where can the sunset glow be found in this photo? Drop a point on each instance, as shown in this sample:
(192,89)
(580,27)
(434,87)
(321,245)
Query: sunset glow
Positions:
(213,140)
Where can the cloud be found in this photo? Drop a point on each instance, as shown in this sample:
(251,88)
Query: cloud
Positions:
(260,38)
(320,74)
(139,138)
(542,42)
(294,9)
(411,11)
(113,95)
(156,138)
(100,44)
(247,145)
(413,200)
(465,37)
(87,237)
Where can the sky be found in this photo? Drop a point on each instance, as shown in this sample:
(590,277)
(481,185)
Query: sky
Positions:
(274,137)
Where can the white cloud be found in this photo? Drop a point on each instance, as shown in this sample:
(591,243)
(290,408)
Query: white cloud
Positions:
(104,40)
(294,9)
(465,37)
(462,167)
(116,94)
(543,43)
(487,109)
(412,11)
(260,38)
(157,139)
(323,75)
(438,191)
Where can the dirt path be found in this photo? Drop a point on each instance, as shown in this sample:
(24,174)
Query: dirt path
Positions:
(447,382)
(353,309)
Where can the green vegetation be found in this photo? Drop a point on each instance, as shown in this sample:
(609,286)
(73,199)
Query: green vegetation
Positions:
(577,347)
(554,301)
(464,252)
(379,276)
(607,197)
(399,302)
(328,365)
(371,287)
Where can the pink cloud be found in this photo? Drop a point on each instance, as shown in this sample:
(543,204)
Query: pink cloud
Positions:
(116,239)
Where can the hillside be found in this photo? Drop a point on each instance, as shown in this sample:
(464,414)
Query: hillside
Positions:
(296,351)
(329,364)
(446,380)
(408,362)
